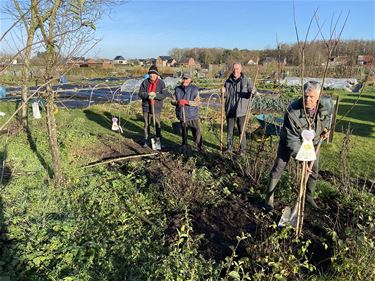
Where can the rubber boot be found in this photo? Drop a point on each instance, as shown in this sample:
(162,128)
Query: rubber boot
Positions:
(229,148)
(310,189)
(146,142)
(268,201)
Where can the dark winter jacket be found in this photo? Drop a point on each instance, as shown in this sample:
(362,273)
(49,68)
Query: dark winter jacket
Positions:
(161,94)
(237,95)
(295,122)
(189,93)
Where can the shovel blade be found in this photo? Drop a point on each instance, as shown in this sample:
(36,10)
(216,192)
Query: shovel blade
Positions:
(285,217)
(289,217)
(293,216)
(155,144)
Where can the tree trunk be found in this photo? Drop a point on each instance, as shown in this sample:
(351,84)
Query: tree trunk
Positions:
(26,77)
(24,119)
(52,137)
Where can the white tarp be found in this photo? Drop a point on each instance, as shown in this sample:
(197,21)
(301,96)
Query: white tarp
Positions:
(347,84)
(131,85)
(172,82)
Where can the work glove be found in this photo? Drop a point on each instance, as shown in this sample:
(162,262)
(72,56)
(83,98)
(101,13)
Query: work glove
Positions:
(183,102)
(151,95)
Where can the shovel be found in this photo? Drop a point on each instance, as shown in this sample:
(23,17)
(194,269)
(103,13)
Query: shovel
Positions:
(155,142)
(185,146)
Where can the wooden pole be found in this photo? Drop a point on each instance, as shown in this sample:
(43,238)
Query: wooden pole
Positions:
(245,122)
(185,137)
(222,119)
(302,193)
(302,190)
(122,158)
(334,117)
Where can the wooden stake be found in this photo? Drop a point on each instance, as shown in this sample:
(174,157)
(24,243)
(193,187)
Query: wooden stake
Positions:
(120,159)
(302,190)
(302,193)
(222,119)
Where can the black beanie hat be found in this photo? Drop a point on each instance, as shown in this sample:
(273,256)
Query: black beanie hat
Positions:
(153,69)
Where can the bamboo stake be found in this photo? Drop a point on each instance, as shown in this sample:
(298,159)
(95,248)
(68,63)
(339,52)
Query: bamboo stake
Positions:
(299,200)
(302,194)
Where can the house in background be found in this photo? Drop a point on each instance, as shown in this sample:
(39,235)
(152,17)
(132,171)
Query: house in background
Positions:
(119,60)
(171,62)
(99,63)
(187,62)
(163,61)
(365,60)
(75,61)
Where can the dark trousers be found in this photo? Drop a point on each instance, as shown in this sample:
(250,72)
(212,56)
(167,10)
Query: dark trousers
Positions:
(230,128)
(194,126)
(282,159)
(147,116)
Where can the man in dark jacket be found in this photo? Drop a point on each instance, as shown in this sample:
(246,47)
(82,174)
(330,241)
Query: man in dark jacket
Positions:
(187,101)
(238,90)
(302,114)
(152,92)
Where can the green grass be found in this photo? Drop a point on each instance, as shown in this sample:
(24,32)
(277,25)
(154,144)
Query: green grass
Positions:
(361,118)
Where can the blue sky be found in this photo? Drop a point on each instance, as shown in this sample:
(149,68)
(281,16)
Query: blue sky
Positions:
(149,29)
(139,29)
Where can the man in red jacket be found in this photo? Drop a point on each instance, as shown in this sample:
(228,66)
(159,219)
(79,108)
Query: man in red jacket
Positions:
(152,92)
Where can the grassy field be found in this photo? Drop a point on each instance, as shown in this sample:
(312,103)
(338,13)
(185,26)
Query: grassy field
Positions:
(359,114)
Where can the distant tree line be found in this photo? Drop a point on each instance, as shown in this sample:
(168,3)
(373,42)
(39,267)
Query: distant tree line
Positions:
(316,53)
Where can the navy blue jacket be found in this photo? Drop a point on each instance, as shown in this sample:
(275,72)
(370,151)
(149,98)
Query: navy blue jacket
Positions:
(161,94)
(189,93)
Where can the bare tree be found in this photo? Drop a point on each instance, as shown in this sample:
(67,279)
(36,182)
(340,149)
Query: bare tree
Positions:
(25,12)
(66,29)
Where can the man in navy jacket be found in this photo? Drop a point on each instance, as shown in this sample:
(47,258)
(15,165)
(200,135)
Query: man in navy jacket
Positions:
(152,92)
(187,101)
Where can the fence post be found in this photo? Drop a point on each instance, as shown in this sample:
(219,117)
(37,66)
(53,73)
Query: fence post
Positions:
(333,121)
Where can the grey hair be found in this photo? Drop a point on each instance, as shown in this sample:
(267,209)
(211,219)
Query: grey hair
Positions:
(237,64)
(312,86)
